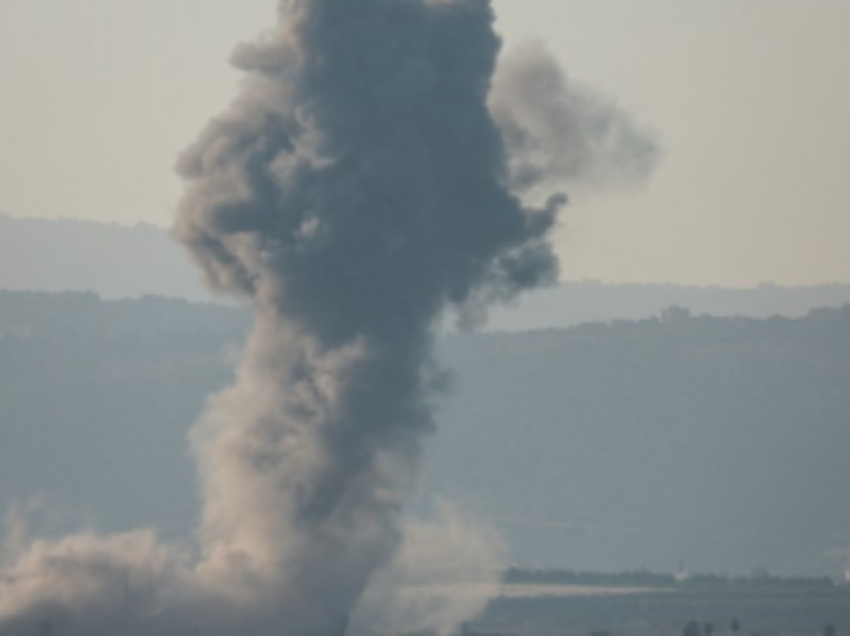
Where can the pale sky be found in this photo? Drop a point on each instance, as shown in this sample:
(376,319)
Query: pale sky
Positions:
(749,99)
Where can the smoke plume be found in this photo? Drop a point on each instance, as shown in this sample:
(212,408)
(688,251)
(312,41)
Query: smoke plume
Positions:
(560,132)
(357,189)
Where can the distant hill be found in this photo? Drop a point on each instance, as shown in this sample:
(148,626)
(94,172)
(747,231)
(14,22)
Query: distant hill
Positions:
(720,442)
(575,303)
(118,261)
(114,261)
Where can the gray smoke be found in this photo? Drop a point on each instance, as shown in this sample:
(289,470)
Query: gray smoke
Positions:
(356,190)
(560,132)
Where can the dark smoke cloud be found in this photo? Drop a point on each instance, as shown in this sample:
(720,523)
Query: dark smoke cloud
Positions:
(353,192)
(356,190)
(560,132)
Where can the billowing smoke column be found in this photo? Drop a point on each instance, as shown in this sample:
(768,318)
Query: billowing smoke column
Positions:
(356,189)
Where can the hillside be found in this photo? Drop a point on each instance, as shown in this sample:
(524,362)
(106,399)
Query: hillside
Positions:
(115,261)
(118,261)
(720,442)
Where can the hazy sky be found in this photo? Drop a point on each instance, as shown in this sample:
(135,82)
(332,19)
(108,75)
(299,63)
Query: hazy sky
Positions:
(749,99)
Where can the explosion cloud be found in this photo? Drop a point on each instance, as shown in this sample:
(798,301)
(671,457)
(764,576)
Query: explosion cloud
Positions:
(357,189)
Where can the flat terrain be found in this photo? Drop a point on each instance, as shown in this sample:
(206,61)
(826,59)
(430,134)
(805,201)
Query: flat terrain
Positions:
(764,609)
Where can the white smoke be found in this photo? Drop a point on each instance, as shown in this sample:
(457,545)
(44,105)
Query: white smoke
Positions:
(445,572)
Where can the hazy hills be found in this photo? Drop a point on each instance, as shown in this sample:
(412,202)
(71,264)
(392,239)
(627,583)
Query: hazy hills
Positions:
(115,261)
(719,442)
(127,262)
(722,442)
